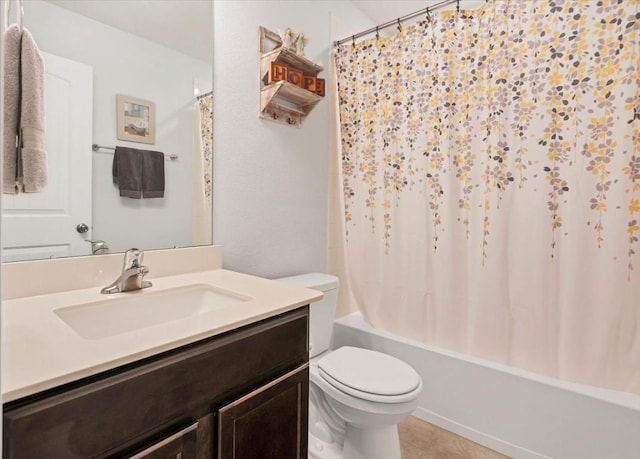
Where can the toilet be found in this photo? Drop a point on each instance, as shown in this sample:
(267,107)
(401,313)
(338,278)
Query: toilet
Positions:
(356,396)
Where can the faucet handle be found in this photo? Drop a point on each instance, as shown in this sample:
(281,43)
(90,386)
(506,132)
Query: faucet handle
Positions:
(98,247)
(132,259)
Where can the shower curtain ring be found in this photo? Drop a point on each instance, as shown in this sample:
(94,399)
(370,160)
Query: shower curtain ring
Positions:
(399,26)
(458,6)
(353,41)
(377,33)
(428,15)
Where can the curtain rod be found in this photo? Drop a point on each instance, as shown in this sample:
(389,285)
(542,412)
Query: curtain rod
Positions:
(397,21)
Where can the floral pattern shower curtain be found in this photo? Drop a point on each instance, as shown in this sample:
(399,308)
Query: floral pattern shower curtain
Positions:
(205,104)
(491,180)
(202,169)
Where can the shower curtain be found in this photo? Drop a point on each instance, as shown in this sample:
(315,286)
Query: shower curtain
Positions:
(202,169)
(491,184)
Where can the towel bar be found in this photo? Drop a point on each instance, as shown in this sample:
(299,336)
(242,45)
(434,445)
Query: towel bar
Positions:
(96,147)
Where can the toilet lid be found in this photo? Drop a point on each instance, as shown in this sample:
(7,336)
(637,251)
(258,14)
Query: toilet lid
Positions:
(368,371)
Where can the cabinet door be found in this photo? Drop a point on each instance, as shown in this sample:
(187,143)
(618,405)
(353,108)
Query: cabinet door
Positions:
(181,445)
(268,423)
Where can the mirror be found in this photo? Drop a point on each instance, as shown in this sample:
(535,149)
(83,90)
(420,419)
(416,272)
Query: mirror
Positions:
(160,51)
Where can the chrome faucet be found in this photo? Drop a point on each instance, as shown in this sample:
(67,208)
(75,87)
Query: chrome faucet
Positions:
(132,275)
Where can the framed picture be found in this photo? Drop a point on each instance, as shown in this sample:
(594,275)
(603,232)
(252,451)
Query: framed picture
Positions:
(136,119)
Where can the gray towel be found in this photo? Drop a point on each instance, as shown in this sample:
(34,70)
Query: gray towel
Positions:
(32,164)
(138,173)
(152,174)
(127,172)
(11,108)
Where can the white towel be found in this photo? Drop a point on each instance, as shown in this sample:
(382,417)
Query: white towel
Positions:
(11,108)
(24,167)
(32,157)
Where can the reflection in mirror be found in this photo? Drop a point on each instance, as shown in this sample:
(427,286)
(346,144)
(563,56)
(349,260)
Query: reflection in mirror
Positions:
(158,51)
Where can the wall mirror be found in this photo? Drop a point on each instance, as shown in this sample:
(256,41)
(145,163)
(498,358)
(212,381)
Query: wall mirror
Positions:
(154,50)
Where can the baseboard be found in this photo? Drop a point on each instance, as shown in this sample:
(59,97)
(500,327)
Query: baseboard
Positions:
(481,438)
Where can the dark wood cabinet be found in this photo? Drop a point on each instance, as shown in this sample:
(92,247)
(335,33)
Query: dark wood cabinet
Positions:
(169,406)
(180,445)
(268,423)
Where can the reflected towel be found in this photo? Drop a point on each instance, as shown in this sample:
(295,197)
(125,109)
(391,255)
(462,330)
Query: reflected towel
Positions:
(32,161)
(25,161)
(127,172)
(11,108)
(152,174)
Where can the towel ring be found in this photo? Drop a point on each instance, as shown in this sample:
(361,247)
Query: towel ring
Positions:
(7,12)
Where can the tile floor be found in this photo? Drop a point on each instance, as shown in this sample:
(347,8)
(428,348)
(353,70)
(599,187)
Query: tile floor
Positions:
(421,440)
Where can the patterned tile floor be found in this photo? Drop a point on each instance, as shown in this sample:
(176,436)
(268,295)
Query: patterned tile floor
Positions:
(421,440)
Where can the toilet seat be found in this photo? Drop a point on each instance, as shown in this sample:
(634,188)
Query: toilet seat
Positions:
(369,375)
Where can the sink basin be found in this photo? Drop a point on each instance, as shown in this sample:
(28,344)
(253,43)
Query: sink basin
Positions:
(131,311)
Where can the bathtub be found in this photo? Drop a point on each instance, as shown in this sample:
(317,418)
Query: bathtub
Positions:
(518,413)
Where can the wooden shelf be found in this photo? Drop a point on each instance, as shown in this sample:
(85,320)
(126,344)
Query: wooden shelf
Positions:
(283,55)
(294,94)
(286,103)
(282,101)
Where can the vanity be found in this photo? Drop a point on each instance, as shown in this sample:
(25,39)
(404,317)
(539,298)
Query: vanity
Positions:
(222,381)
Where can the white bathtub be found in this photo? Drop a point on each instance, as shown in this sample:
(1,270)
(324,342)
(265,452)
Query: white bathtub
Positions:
(518,413)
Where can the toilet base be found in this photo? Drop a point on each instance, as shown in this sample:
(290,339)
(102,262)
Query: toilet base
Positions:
(372,443)
(376,443)
(319,449)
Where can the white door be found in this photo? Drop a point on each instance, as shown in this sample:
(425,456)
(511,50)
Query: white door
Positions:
(43,225)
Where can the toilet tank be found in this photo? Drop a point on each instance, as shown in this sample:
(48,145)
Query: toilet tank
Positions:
(321,313)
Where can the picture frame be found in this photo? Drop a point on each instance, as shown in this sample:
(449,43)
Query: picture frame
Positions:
(135,119)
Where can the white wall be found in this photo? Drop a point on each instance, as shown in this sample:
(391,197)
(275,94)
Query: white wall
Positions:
(270,180)
(126,64)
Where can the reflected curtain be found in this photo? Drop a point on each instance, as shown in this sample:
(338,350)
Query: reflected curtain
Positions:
(202,169)
(491,180)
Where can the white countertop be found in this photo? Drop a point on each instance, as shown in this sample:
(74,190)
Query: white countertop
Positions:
(40,351)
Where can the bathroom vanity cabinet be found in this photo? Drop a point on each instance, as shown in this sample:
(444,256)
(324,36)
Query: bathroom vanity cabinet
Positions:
(241,394)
